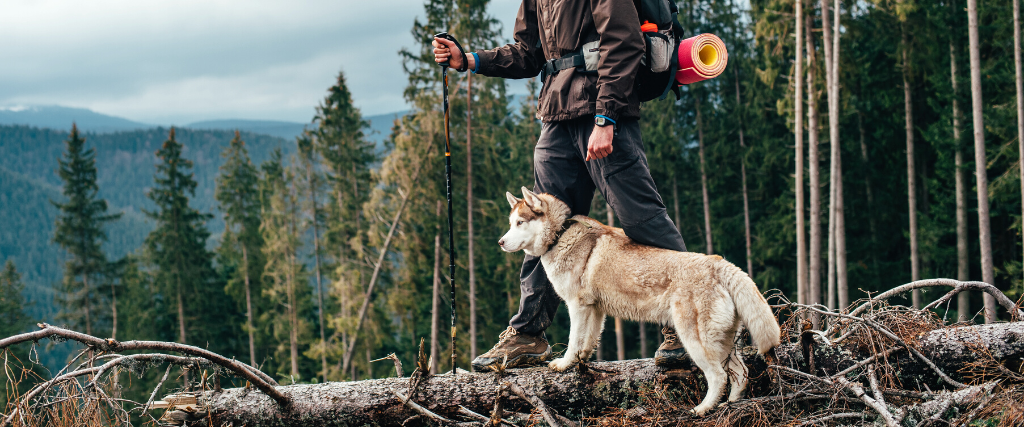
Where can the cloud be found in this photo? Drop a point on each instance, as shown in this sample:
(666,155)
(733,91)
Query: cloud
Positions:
(175,61)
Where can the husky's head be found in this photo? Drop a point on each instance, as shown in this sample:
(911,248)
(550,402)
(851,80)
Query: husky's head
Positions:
(534,222)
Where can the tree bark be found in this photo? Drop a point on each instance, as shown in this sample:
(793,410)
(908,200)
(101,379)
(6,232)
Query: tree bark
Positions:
(586,391)
(743,176)
(798,133)
(1020,96)
(980,159)
(814,277)
(469,215)
(908,108)
(710,248)
(963,303)
(435,301)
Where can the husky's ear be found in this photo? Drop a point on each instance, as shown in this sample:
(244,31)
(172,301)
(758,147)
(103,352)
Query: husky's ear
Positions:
(535,203)
(512,200)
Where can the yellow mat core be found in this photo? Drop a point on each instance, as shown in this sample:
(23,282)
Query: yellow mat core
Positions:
(708,55)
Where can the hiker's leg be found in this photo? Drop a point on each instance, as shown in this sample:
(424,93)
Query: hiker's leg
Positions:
(625,181)
(558,170)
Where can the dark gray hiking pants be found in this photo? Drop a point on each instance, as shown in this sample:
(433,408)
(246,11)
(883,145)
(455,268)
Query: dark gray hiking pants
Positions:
(624,180)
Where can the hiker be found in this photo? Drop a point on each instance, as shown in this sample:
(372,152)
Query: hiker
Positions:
(590,139)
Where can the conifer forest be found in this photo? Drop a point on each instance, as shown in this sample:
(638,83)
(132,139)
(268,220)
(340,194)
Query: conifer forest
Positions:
(850,147)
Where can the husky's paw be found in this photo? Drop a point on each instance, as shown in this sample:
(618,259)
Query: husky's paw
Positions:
(561,364)
(700,410)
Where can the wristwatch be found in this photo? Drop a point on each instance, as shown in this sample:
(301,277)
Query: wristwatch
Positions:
(603,121)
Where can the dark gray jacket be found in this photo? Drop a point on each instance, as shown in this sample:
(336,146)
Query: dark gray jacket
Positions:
(549,29)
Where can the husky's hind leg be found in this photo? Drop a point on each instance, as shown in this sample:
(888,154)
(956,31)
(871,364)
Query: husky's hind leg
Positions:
(737,374)
(707,353)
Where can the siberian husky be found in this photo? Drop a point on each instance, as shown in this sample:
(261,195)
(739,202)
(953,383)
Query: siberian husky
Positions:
(599,271)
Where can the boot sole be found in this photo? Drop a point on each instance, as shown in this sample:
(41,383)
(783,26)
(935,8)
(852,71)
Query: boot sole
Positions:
(521,361)
(670,358)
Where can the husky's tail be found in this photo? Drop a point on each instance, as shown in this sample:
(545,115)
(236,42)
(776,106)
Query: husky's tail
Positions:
(753,309)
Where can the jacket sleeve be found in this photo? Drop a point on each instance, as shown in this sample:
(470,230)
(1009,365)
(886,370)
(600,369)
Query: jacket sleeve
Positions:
(519,60)
(622,46)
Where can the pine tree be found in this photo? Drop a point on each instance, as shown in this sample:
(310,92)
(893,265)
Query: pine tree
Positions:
(177,247)
(238,195)
(308,164)
(13,320)
(346,155)
(80,232)
(286,286)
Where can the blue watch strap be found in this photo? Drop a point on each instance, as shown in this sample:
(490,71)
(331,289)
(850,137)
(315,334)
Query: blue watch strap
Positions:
(606,118)
(476,63)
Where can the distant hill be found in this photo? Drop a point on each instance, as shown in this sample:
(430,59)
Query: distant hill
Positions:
(286,130)
(56,117)
(380,126)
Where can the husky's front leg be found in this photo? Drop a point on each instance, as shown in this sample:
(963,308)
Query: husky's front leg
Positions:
(581,336)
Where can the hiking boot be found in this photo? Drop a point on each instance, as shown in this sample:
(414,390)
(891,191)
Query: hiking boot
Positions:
(521,350)
(671,352)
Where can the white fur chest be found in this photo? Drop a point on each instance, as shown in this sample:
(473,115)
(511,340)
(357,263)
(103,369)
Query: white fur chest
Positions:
(566,263)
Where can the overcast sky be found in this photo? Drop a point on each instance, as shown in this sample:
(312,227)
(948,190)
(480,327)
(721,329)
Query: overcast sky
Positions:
(179,61)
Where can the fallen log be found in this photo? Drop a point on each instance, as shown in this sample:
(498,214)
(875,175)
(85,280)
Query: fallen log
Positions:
(593,389)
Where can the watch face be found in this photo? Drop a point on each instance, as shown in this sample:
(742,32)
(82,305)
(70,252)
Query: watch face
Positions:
(600,121)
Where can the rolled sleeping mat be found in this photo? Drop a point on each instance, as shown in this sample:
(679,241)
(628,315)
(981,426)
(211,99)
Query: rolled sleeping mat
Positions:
(700,58)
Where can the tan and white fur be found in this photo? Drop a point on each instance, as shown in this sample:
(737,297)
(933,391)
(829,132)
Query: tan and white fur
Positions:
(599,271)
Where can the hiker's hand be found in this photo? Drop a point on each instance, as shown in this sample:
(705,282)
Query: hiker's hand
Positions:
(600,145)
(445,50)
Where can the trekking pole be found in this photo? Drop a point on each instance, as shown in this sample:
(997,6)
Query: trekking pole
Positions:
(448,186)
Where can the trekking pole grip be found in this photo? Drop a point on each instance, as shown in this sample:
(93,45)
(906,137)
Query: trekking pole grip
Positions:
(465,61)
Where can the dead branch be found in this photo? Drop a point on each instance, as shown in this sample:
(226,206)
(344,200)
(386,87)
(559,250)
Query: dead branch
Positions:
(262,381)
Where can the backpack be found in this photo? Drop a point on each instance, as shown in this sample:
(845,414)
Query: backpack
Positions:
(657,72)
(662,34)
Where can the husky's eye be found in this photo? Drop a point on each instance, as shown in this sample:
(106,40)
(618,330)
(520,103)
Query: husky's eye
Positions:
(518,223)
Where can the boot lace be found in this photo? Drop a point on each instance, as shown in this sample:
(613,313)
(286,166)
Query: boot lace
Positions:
(670,336)
(506,336)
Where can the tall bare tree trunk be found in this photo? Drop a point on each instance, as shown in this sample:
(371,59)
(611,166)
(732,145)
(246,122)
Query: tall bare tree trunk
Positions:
(88,313)
(113,311)
(435,300)
(248,307)
(316,257)
(1020,96)
(643,339)
(963,300)
(743,178)
(842,287)
(830,300)
(980,159)
(181,314)
(704,182)
(908,108)
(872,224)
(814,278)
(798,133)
(469,215)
